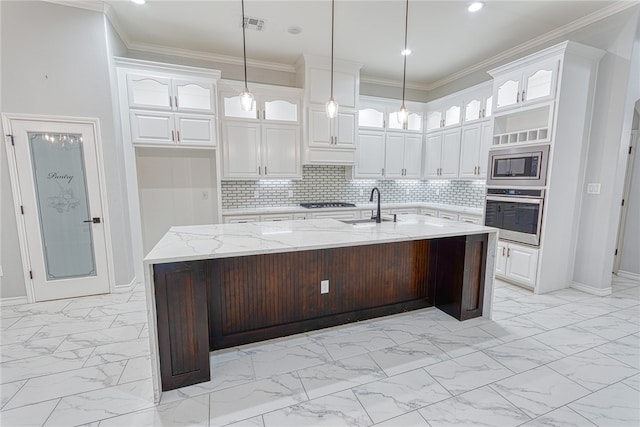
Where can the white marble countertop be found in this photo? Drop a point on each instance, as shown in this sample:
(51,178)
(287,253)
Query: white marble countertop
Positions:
(298,209)
(188,243)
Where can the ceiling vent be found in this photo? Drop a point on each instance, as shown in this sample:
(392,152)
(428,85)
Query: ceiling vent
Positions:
(254,23)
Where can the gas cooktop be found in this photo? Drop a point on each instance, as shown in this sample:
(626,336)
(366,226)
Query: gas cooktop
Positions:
(314,205)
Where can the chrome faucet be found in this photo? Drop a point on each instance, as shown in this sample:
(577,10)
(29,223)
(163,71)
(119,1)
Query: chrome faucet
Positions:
(378,217)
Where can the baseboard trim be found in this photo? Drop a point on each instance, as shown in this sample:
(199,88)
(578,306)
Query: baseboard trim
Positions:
(13,301)
(126,287)
(628,275)
(601,292)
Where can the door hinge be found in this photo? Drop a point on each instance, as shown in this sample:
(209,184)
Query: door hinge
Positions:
(31,274)
(22,209)
(13,142)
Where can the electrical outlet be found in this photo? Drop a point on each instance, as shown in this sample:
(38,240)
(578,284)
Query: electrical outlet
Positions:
(256,194)
(290,193)
(362,192)
(324,286)
(593,188)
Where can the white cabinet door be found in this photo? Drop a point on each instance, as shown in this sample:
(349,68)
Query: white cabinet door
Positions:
(152,127)
(432,155)
(150,92)
(238,219)
(452,115)
(471,219)
(231,108)
(522,264)
(450,153)
(241,150)
(539,82)
(501,259)
(507,90)
(276,217)
(371,117)
(473,108)
(279,109)
(345,130)
(344,87)
(448,215)
(428,212)
(197,130)
(371,155)
(412,156)
(434,120)
(394,156)
(486,139)
(319,128)
(281,151)
(193,96)
(469,151)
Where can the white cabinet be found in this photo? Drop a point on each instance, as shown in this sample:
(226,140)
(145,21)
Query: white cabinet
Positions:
(156,127)
(442,154)
(471,219)
(403,154)
(170,93)
(448,215)
(428,212)
(474,149)
(382,113)
(238,219)
(255,151)
(336,133)
(444,113)
(350,214)
(371,151)
(345,85)
(517,263)
(478,105)
(533,83)
(267,107)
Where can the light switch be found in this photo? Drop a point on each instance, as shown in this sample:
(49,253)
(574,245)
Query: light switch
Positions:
(324,287)
(593,188)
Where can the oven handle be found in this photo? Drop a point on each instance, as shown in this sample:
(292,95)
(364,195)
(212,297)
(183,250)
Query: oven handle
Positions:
(515,199)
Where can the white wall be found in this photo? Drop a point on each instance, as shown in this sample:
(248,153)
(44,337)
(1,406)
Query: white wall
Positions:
(55,62)
(630,250)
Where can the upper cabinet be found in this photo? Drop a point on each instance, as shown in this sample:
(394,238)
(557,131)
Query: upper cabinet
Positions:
(531,84)
(477,104)
(268,107)
(444,113)
(155,92)
(382,113)
(345,86)
(167,105)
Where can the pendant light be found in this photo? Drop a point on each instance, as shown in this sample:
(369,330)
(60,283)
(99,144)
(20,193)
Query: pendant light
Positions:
(332,105)
(403,114)
(246,97)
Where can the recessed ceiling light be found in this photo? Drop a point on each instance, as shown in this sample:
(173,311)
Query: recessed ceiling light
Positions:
(139,1)
(475,6)
(405,52)
(294,30)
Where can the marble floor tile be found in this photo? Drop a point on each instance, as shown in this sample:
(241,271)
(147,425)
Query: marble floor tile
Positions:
(570,339)
(349,345)
(28,416)
(409,328)
(134,318)
(626,350)
(30,348)
(541,302)
(274,344)
(136,369)
(399,394)
(6,323)
(590,308)
(507,309)
(101,337)
(553,318)
(610,327)
(468,372)
(453,325)
(15,336)
(617,405)
(43,365)
(251,422)
(408,357)
(96,405)
(340,375)
(465,341)
(512,329)
(267,364)
(145,332)
(114,309)
(631,314)
(62,384)
(71,316)
(192,412)
(631,292)
(592,369)
(511,292)
(98,300)
(571,295)
(481,407)
(620,301)
(410,419)
(561,417)
(46,307)
(539,390)
(8,390)
(524,354)
(119,351)
(68,328)
(633,382)
(339,409)
(256,398)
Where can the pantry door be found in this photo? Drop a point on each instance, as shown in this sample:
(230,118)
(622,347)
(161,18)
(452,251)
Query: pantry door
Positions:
(57,187)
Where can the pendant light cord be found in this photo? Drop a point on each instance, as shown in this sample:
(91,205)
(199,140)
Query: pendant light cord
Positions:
(332,30)
(244,46)
(404,73)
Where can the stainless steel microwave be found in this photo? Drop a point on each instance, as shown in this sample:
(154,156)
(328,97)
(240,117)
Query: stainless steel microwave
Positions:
(518,166)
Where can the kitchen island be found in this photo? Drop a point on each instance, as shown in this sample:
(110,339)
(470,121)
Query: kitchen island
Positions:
(217,286)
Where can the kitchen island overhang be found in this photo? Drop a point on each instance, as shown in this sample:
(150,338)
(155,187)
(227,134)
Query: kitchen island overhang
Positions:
(228,284)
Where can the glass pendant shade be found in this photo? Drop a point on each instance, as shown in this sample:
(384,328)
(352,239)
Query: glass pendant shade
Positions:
(403,114)
(246,100)
(332,108)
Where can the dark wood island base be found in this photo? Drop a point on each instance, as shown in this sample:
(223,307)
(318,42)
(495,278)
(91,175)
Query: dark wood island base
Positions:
(211,304)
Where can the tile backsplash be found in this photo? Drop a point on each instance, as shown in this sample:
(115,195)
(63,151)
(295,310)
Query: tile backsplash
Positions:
(321,183)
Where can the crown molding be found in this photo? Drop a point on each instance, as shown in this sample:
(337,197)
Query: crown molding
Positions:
(94,5)
(115,23)
(392,82)
(536,42)
(206,56)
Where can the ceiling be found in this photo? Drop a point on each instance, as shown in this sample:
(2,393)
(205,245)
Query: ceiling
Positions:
(445,38)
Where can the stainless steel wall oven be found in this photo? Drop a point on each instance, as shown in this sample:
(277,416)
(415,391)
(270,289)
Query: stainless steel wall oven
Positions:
(517,212)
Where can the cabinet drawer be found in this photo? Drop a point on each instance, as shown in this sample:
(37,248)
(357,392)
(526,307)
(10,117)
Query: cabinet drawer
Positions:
(276,217)
(240,218)
(335,215)
(470,219)
(448,215)
(428,212)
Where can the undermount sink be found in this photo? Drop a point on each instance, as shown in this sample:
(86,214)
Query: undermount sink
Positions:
(364,221)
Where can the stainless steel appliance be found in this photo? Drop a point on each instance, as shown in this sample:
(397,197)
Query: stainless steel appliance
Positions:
(518,166)
(517,212)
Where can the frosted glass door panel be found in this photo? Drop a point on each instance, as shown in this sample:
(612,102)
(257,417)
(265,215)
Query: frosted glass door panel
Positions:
(452,116)
(61,195)
(539,84)
(488,107)
(280,110)
(434,120)
(232,108)
(508,93)
(414,122)
(371,118)
(193,96)
(472,110)
(149,92)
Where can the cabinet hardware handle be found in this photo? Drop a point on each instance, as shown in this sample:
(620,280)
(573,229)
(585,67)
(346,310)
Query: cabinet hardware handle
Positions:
(523,92)
(484,112)
(265,170)
(176,98)
(259,170)
(178,135)
(503,251)
(480,113)
(384,123)
(475,170)
(170,102)
(508,252)
(518,98)
(173,137)
(264,114)
(382,171)
(479,170)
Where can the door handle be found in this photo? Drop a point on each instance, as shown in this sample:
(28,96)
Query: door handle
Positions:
(508,252)
(93,220)
(503,251)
